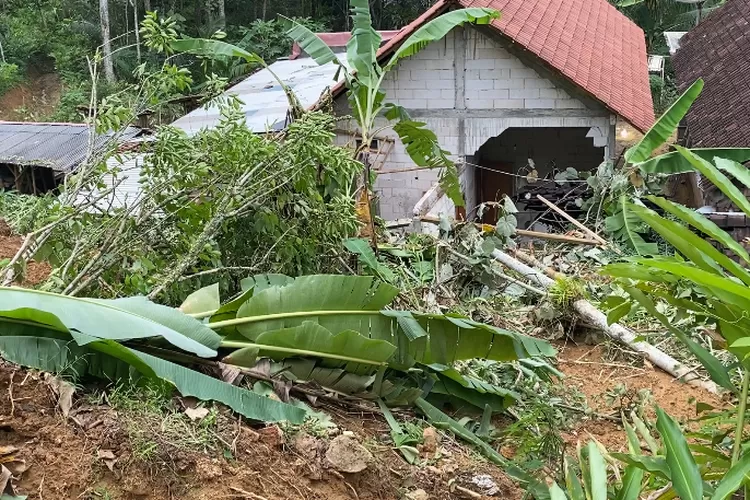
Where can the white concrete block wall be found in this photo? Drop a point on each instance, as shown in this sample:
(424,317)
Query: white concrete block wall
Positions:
(425,81)
(493,78)
(497,79)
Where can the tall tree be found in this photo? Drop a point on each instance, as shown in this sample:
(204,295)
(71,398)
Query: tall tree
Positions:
(136,29)
(222,15)
(109,68)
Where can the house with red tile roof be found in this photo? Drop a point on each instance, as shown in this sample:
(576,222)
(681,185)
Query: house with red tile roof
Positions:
(538,91)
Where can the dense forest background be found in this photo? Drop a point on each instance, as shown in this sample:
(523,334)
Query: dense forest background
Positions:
(46,45)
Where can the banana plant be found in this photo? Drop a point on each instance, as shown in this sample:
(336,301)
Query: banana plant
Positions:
(592,483)
(364,76)
(334,330)
(701,279)
(639,165)
(121,339)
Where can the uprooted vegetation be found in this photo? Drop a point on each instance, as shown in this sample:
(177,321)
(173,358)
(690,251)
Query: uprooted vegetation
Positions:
(271,379)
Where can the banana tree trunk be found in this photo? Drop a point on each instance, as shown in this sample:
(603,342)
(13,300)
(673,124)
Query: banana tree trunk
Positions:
(594,317)
(109,68)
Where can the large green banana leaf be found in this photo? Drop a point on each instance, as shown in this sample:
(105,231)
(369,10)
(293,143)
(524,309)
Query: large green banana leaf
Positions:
(80,355)
(308,41)
(626,226)
(214,48)
(702,224)
(674,163)
(664,126)
(698,250)
(717,178)
(439,28)
(125,319)
(341,303)
(356,353)
(199,303)
(362,47)
(686,476)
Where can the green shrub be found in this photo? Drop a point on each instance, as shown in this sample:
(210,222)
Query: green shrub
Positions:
(10,76)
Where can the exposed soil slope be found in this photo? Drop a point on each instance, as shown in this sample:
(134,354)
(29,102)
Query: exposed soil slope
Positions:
(95,454)
(33,100)
(588,369)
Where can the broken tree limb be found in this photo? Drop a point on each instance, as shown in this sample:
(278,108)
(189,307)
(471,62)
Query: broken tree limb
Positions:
(534,262)
(556,237)
(570,219)
(598,320)
(524,232)
(497,273)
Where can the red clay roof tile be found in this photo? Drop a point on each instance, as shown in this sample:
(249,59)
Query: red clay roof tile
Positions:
(604,53)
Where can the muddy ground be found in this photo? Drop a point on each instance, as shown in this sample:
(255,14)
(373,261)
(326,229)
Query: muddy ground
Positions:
(95,453)
(591,370)
(36,272)
(34,100)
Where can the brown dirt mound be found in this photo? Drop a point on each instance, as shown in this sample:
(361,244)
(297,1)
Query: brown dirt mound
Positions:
(36,272)
(34,100)
(91,455)
(587,369)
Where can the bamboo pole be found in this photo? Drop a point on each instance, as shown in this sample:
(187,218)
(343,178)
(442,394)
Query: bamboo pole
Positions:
(556,237)
(570,219)
(527,233)
(598,320)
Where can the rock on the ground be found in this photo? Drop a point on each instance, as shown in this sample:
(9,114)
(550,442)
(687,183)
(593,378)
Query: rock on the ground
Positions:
(431,440)
(346,454)
(271,436)
(486,484)
(306,445)
(417,495)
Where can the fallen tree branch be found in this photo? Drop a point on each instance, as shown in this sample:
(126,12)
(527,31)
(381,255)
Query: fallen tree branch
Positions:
(500,275)
(598,320)
(534,262)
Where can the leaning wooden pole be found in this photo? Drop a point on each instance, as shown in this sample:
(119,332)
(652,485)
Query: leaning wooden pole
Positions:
(597,319)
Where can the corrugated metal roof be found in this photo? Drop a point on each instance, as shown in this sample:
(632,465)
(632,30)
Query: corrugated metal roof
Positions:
(124,180)
(265,103)
(59,146)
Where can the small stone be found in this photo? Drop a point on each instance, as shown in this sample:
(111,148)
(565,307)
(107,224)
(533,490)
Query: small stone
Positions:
(431,440)
(417,495)
(306,445)
(434,470)
(345,454)
(272,436)
(208,469)
(486,484)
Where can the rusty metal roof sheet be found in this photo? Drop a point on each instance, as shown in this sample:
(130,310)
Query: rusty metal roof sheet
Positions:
(59,146)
